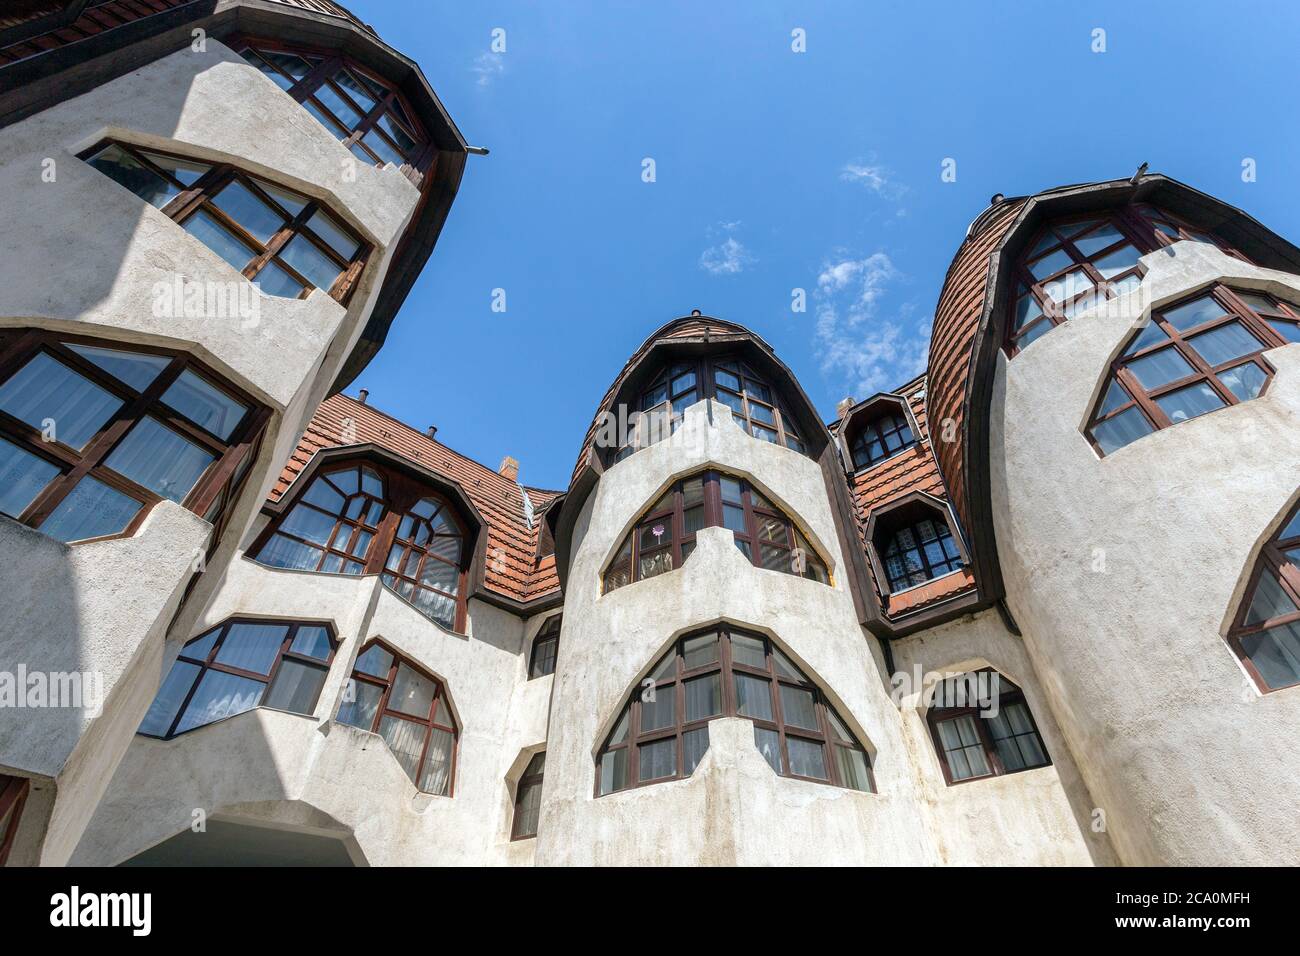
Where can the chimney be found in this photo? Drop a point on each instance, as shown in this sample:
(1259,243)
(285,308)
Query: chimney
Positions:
(843,407)
(432,431)
(509,468)
(363,395)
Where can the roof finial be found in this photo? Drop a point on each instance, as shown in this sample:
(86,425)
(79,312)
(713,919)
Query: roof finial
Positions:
(1139,174)
(695,312)
(996,198)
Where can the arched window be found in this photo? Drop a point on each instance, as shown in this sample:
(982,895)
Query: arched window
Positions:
(1074,262)
(981,727)
(286,242)
(237,666)
(1266,631)
(528,799)
(359,518)
(363,111)
(93,435)
(755,405)
(401,702)
(662,732)
(881,437)
(665,535)
(546,646)
(1195,356)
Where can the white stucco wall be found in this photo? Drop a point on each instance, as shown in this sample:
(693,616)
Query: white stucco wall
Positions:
(1123,573)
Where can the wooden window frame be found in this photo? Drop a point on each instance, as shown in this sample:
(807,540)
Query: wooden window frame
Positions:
(929,569)
(214,491)
(210,663)
(726,668)
(657,419)
(1234,310)
(1010,694)
(401,493)
(528,780)
(13,797)
(549,634)
(441,696)
(1272,559)
(898,423)
(199,197)
(679,540)
(328,65)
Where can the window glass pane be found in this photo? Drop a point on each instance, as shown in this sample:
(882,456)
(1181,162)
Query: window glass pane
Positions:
(360,704)
(699,651)
(219,696)
(658,759)
(1288,330)
(807,757)
(798,707)
(1126,427)
(304,522)
(1051,263)
(354,88)
(412,692)
(23,476)
(1121,260)
(90,510)
(117,164)
(748,651)
(1225,343)
(1269,601)
(1244,381)
(1189,402)
(733,517)
(238,202)
(435,778)
(753,697)
(271,279)
(405,739)
(396,133)
(160,459)
(310,262)
(382,148)
(282,552)
(291,63)
(1126,285)
(219,239)
(1068,285)
(1276,654)
(1193,313)
(284,82)
(1099,239)
(703,697)
(613,771)
(440,575)
(768,743)
(785,667)
(296,687)
(204,404)
(653,565)
(695,743)
(1151,334)
(336,104)
(1160,368)
(376,662)
(853,770)
(252,647)
(136,369)
(1026,310)
(45,388)
(1115,397)
(169,699)
(328,229)
(661,711)
(312,641)
(1033,332)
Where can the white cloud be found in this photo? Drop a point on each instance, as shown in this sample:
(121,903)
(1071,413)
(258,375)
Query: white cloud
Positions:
(729,256)
(870,353)
(487,66)
(873,176)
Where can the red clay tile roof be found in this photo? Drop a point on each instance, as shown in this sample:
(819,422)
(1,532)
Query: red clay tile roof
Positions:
(952,345)
(512,569)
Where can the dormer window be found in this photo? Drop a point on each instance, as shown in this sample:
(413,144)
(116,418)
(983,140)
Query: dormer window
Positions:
(880,438)
(913,541)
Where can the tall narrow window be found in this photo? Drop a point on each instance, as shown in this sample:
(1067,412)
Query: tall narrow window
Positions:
(984,737)
(1195,356)
(13,794)
(93,435)
(237,666)
(528,799)
(881,437)
(408,707)
(545,647)
(287,243)
(359,518)
(665,535)
(662,732)
(1266,631)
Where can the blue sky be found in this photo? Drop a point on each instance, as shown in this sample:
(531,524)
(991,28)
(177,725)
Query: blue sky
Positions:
(777,170)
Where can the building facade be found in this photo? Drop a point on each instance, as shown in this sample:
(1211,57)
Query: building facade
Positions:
(1039,606)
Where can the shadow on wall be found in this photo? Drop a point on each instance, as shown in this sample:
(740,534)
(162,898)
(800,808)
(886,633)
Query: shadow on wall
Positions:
(235,840)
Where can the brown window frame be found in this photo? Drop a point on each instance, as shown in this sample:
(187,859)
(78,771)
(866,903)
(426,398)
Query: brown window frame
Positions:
(659,417)
(548,636)
(198,198)
(214,490)
(726,668)
(13,797)
(1009,694)
(210,663)
(1273,559)
(898,423)
(441,696)
(328,65)
(401,493)
(532,777)
(749,541)
(1145,400)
